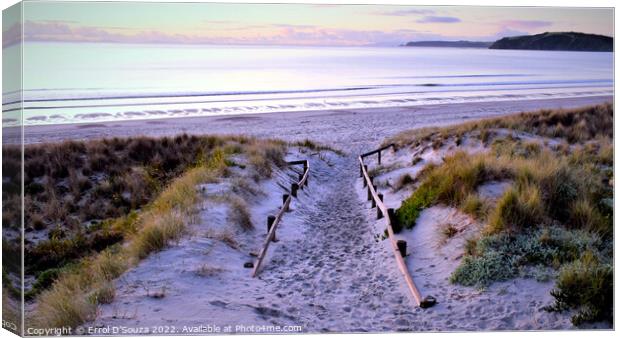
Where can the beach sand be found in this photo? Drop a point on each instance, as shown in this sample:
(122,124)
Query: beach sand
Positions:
(328,272)
(354,130)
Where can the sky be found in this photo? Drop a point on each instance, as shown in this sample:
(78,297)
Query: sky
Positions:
(293,24)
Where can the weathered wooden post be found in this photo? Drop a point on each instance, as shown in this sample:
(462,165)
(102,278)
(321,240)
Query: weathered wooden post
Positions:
(284,198)
(361,172)
(402,247)
(294,188)
(379,152)
(305,166)
(270,220)
(392,217)
(372,200)
(379,212)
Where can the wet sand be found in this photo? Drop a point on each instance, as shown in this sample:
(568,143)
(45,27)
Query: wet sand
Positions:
(357,128)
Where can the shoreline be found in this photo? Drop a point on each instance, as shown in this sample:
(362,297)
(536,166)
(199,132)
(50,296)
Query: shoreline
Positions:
(299,125)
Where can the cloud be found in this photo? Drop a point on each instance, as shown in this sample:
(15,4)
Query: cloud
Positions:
(507,32)
(407,12)
(438,19)
(525,24)
(272,34)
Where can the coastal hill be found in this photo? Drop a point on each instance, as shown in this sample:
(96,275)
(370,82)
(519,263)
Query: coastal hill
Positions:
(567,41)
(459,44)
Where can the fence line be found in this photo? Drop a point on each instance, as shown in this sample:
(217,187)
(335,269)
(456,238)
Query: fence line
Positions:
(273,221)
(398,247)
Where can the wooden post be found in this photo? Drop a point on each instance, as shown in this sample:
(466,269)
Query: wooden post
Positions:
(361,172)
(379,212)
(284,198)
(301,176)
(391,216)
(294,188)
(305,166)
(307,179)
(369,194)
(379,156)
(402,247)
(373,202)
(270,220)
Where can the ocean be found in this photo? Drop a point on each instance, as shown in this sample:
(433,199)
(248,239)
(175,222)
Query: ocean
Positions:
(94,82)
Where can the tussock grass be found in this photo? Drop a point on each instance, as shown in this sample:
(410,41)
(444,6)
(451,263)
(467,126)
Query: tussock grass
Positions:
(585,285)
(557,207)
(450,183)
(74,296)
(517,209)
(474,205)
(573,125)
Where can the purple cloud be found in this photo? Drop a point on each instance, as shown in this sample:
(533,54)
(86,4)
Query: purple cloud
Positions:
(281,34)
(438,19)
(526,24)
(407,12)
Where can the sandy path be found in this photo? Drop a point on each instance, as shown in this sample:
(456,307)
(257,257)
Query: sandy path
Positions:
(343,278)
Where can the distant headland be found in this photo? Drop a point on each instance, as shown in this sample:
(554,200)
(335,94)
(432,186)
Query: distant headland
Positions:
(560,41)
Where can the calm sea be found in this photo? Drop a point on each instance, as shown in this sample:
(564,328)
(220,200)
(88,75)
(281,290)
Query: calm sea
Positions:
(80,82)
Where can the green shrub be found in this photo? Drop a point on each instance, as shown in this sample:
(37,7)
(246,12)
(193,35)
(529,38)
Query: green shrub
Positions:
(586,285)
(483,270)
(548,246)
(410,209)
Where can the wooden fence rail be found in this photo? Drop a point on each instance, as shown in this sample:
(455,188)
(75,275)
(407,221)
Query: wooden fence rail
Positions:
(273,221)
(397,246)
(378,152)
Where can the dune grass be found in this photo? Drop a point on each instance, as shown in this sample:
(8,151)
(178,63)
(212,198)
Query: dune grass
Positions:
(73,298)
(573,125)
(557,208)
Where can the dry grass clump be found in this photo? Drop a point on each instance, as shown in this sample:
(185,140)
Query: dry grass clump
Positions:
(559,204)
(573,125)
(73,297)
(315,146)
(262,156)
(518,208)
(227,237)
(239,213)
(403,181)
(450,183)
(208,271)
(586,285)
